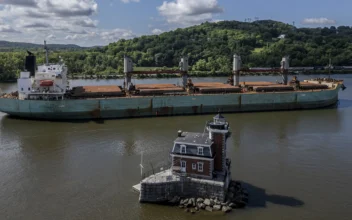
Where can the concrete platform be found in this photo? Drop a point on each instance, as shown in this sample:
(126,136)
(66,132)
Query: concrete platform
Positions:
(137,187)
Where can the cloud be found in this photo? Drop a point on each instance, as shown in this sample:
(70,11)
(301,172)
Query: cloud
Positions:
(318,21)
(86,23)
(8,29)
(189,12)
(117,34)
(25,3)
(128,1)
(35,25)
(71,8)
(50,37)
(157,31)
(60,21)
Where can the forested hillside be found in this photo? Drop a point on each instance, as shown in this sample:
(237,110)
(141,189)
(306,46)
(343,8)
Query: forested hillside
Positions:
(6,46)
(210,47)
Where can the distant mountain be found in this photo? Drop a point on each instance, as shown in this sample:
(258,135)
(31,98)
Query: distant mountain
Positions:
(11,46)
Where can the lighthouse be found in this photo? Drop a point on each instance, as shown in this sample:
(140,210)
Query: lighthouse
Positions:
(218,132)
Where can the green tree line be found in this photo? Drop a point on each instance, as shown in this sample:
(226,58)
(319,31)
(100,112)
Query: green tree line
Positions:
(209,46)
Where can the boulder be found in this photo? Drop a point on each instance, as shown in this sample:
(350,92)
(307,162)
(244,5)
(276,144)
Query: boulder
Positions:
(193,211)
(224,204)
(207,202)
(196,208)
(226,209)
(238,184)
(230,196)
(175,200)
(185,201)
(245,193)
(208,208)
(190,203)
(203,206)
(217,207)
(200,200)
(181,202)
(232,205)
(240,204)
(193,200)
(211,202)
(245,199)
(180,206)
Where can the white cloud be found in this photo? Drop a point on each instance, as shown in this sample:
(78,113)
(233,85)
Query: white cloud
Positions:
(128,1)
(117,34)
(61,21)
(7,29)
(86,23)
(216,20)
(58,21)
(70,8)
(157,31)
(318,21)
(50,37)
(189,12)
(26,3)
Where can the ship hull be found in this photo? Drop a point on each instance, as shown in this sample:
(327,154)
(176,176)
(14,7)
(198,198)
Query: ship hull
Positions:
(126,107)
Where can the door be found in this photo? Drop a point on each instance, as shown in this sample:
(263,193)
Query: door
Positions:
(183,166)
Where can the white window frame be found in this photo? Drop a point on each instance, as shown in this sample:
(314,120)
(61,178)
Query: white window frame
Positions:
(200,153)
(183,147)
(183,168)
(194,166)
(200,165)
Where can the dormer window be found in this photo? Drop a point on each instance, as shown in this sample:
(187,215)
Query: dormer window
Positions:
(200,151)
(183,149)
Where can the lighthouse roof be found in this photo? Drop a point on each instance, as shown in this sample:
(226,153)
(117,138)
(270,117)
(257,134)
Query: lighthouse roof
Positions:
(219,116)
(194,138)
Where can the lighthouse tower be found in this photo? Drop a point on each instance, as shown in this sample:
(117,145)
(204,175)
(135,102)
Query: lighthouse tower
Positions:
(218,132)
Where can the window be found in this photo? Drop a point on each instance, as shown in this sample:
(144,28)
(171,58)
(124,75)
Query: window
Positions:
(29,89)
(194,166)
(200,166)
(183,149)
(21,89)
(200,150)
(183,166)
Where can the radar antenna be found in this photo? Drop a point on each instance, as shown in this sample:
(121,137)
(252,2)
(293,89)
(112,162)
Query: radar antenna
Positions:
(46,53)
(30,53)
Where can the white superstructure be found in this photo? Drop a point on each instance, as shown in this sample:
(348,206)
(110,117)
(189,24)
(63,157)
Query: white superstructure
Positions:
(49,82)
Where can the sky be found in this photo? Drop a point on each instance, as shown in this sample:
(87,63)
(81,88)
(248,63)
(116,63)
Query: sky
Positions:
(100,22)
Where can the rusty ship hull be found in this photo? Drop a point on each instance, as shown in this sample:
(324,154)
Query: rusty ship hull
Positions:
(151,106)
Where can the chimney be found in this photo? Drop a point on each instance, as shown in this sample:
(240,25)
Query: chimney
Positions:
(179,133)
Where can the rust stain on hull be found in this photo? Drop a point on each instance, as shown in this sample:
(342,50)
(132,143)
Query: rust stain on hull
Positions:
(165,111)
(195,109)
(96,112)
(132,112)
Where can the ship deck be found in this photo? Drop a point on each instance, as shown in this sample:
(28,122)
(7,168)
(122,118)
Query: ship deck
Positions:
(200,88)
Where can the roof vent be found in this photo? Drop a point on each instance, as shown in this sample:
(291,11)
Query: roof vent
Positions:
(179,133)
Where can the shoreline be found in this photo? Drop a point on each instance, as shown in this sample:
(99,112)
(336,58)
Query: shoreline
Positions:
(191,74)
(203,74)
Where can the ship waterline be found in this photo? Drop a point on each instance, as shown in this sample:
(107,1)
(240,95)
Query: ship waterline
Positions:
(151,106)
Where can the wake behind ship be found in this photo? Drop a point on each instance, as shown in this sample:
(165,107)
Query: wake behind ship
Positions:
(44,93)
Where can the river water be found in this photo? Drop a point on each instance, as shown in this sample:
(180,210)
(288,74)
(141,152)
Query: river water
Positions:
(295,165)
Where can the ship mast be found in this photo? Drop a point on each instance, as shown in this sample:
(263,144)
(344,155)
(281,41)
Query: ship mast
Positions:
(46,53)
(329,64)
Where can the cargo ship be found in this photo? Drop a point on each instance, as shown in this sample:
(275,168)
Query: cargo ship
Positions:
(44,93)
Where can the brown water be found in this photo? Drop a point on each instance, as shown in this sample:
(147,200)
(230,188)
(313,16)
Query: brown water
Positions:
(296,165)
